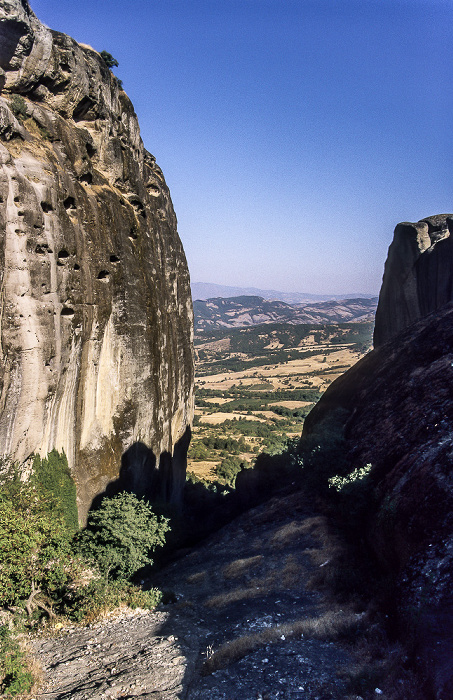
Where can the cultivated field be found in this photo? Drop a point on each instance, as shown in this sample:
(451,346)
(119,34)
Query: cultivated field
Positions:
(255,386)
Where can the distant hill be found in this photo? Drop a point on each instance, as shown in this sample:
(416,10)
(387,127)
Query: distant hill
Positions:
(207,290)
(242,311)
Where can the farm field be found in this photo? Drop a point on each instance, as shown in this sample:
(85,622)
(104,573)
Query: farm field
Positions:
(254,387)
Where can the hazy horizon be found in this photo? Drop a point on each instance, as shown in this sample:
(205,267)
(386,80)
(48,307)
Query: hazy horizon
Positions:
(294,136)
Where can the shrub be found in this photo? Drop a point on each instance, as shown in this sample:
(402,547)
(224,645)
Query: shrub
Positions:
(52,475)
(18,107)
(35,546)
(344,483)
(15,676)
(229,468)
(120,536)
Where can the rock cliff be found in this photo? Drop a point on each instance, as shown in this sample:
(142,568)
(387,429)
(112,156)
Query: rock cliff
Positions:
(418,276)
(395,411)
(96,312)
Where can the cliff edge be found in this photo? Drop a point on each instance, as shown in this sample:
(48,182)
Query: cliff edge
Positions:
(96,312)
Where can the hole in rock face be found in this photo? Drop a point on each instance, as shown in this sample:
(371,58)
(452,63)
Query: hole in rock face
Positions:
(87,178)
(103,275)
(133,234)
(63,254)
(67,311)
(114,259)
(82,109)
(69,203)
(46,207)
(17,199)
(65,67)
(42,249)
(90,149)
(153,190)
(76,266)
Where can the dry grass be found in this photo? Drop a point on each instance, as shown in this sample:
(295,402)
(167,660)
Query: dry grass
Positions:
(204,470)
(235,596)
(217,418)
(241,566)
(288,534)
(198,577)
(328,626)
(291,404)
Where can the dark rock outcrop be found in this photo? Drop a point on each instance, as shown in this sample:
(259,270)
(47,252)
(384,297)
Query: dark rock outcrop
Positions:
(397,409)
(96,312)
(418,276)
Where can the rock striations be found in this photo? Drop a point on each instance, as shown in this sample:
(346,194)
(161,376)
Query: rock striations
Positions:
(418,276)
(96,312)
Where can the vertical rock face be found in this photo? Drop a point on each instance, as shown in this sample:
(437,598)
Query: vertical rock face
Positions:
(96,312)
(418,276)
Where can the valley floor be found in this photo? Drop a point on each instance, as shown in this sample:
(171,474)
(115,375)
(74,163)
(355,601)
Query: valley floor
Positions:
(251,618)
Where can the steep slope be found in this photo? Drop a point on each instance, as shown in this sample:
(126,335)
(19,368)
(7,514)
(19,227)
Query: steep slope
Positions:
(395,411)
(243,311)
(96,313)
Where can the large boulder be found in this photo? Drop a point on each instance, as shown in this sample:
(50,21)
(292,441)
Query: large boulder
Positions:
(96,313)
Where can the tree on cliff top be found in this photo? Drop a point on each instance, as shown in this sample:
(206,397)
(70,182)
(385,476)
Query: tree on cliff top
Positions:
(109,60)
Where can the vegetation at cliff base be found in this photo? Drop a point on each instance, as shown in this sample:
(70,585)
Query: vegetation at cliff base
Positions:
(15,676)
(49,568)
(52,475)
(120,536)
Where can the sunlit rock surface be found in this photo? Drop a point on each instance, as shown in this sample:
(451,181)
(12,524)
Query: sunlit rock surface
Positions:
(96,312)
(418,276)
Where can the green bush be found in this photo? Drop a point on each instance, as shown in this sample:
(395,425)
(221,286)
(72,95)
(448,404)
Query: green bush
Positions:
(229,468)
(18,107)
(109,60)
(15,676)
(120,536)
(52,475)
(35,545)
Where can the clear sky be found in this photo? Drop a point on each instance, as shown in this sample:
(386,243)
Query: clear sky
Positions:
(293,134)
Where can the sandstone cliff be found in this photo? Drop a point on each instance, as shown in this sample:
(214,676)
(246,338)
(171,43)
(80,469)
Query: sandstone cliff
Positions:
(418,276)
(96,312)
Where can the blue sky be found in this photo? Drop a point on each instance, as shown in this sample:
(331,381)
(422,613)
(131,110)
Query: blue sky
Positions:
(294,135)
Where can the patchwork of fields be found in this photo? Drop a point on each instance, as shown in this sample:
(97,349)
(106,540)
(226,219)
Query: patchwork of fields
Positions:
(254,387)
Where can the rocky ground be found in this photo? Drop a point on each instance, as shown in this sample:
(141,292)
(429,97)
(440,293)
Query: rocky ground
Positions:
(251,618)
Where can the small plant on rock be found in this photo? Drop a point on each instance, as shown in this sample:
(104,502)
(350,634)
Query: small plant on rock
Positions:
(18,107)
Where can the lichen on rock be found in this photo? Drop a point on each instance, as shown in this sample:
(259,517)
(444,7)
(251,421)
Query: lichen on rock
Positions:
(96,312)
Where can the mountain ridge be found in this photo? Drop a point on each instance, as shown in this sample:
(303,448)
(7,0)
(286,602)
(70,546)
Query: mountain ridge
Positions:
(244,311)
(209,290)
